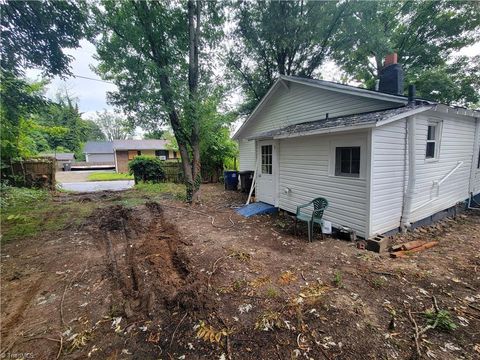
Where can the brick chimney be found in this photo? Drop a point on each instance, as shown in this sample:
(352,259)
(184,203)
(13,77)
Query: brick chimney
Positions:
(391,76)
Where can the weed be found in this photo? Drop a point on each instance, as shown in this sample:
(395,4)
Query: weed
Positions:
(337,279)
(441,320)
(378,283)
(239,284)
(272,293)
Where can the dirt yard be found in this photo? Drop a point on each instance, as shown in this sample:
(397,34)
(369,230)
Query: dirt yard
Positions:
(160,280)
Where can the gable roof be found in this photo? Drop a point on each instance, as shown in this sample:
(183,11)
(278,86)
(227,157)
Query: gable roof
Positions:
(140,144)
(343,123)
(98,147)
(283,80)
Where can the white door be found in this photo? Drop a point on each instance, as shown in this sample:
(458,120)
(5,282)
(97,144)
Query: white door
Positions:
(267,172)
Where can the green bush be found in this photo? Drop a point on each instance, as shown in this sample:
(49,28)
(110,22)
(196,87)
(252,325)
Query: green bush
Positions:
(146,168)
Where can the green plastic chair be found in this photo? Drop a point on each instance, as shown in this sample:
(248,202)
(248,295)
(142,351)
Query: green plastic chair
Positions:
(319,206)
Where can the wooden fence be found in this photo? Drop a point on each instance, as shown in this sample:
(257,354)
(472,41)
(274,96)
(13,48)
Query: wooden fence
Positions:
(174,173)
(35,172)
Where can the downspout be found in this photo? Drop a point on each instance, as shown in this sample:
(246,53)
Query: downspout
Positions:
(409,193)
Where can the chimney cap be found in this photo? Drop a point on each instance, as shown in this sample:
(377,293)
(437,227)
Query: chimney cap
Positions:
(391,59)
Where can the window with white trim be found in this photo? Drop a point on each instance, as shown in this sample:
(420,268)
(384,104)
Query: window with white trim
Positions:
(433,137)
(347,161)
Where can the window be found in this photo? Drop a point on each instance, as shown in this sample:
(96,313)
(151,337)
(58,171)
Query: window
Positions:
(267,158)
(347,161)
(162,154)
(432,141)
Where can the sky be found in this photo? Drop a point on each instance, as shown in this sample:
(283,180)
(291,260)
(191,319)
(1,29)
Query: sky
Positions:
(92,95)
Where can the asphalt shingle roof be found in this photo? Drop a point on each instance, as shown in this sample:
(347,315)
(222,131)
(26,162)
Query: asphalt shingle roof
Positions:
(337,122)
(140,144)
(98,147)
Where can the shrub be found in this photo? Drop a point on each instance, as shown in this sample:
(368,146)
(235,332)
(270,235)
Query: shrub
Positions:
(146,168)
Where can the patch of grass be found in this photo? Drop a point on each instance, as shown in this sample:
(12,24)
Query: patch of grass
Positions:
(337,279)
(109,176)
(378,283)
(30,212)
(152,189)
(272,293)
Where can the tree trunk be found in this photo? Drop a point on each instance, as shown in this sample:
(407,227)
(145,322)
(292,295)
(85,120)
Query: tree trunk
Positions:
(193,187)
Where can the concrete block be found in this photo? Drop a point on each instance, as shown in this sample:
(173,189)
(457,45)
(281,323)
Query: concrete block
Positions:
(378,244)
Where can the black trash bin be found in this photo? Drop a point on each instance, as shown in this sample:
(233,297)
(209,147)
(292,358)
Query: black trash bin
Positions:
(246,178)
(67,166)
(231,179)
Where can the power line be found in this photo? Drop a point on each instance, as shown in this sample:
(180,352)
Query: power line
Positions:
(88,78)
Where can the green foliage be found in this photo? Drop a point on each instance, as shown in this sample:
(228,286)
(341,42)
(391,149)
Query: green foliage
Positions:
(114,126)
(281,38)
(154,134)
(109,176)
(425,34)
(217,148)
(338,279)
(147,168)
(441,320)
(36,33)
(30,212)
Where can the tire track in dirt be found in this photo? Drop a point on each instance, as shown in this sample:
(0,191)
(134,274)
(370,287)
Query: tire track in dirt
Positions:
(149,273)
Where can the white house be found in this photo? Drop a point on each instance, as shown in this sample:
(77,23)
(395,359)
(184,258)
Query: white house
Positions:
(383,161)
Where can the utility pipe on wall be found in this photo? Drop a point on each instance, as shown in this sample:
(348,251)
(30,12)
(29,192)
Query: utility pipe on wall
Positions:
(409,193)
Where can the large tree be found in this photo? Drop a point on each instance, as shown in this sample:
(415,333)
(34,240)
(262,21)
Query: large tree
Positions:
(34,34)
(425,34)
(156,54)
(114,126)
(272,38)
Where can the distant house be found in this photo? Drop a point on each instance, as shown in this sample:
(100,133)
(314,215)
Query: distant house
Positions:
(120,152)
(126,150)
(383,160)
(99,152)
(61,158)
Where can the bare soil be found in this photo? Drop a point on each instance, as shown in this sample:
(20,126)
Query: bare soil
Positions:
(164,280)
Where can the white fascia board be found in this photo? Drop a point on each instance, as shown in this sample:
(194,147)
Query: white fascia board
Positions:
(327,130)
(402,115)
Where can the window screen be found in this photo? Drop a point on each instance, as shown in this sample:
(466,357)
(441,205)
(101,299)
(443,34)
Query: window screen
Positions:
(347,161)
(267,159)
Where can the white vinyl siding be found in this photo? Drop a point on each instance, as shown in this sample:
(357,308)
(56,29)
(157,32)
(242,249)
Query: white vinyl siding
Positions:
(476,170)
(306,169)
(388,171)
(301,103)
(247,154)
(455,144)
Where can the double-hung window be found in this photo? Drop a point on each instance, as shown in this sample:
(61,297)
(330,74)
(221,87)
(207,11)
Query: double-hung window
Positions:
(347,161)
(433,137)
